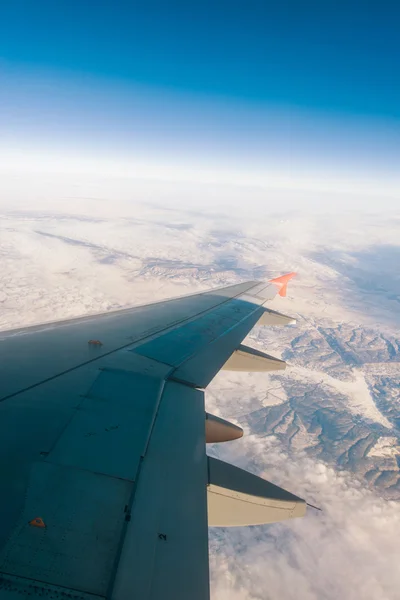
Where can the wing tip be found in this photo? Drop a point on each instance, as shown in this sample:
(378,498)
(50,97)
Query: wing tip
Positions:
(282,282)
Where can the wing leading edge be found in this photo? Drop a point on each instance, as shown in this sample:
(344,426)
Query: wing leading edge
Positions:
(103,444)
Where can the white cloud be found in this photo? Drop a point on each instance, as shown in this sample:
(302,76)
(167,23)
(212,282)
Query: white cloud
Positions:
(348,551)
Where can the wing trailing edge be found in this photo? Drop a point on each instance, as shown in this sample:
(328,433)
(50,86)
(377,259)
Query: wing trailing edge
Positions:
(236,497)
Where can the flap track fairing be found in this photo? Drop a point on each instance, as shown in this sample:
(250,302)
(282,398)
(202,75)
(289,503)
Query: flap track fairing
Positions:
(251,360)
(220,430)
(237,498)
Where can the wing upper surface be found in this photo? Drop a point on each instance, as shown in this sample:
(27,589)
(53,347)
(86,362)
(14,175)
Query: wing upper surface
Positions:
(102,439)
(67,346)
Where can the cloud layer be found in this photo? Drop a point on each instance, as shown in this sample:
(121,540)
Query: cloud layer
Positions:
(349,550)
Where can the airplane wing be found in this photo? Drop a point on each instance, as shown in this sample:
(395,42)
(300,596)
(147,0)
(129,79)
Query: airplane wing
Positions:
(106,490)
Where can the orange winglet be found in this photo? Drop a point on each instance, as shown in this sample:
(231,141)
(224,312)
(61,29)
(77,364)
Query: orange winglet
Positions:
(282,282)
(95,343)
(38,522)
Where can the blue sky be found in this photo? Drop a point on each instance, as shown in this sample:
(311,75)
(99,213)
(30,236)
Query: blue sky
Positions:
(248,85)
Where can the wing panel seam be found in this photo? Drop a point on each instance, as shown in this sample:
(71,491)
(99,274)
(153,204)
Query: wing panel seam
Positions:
(129,344)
